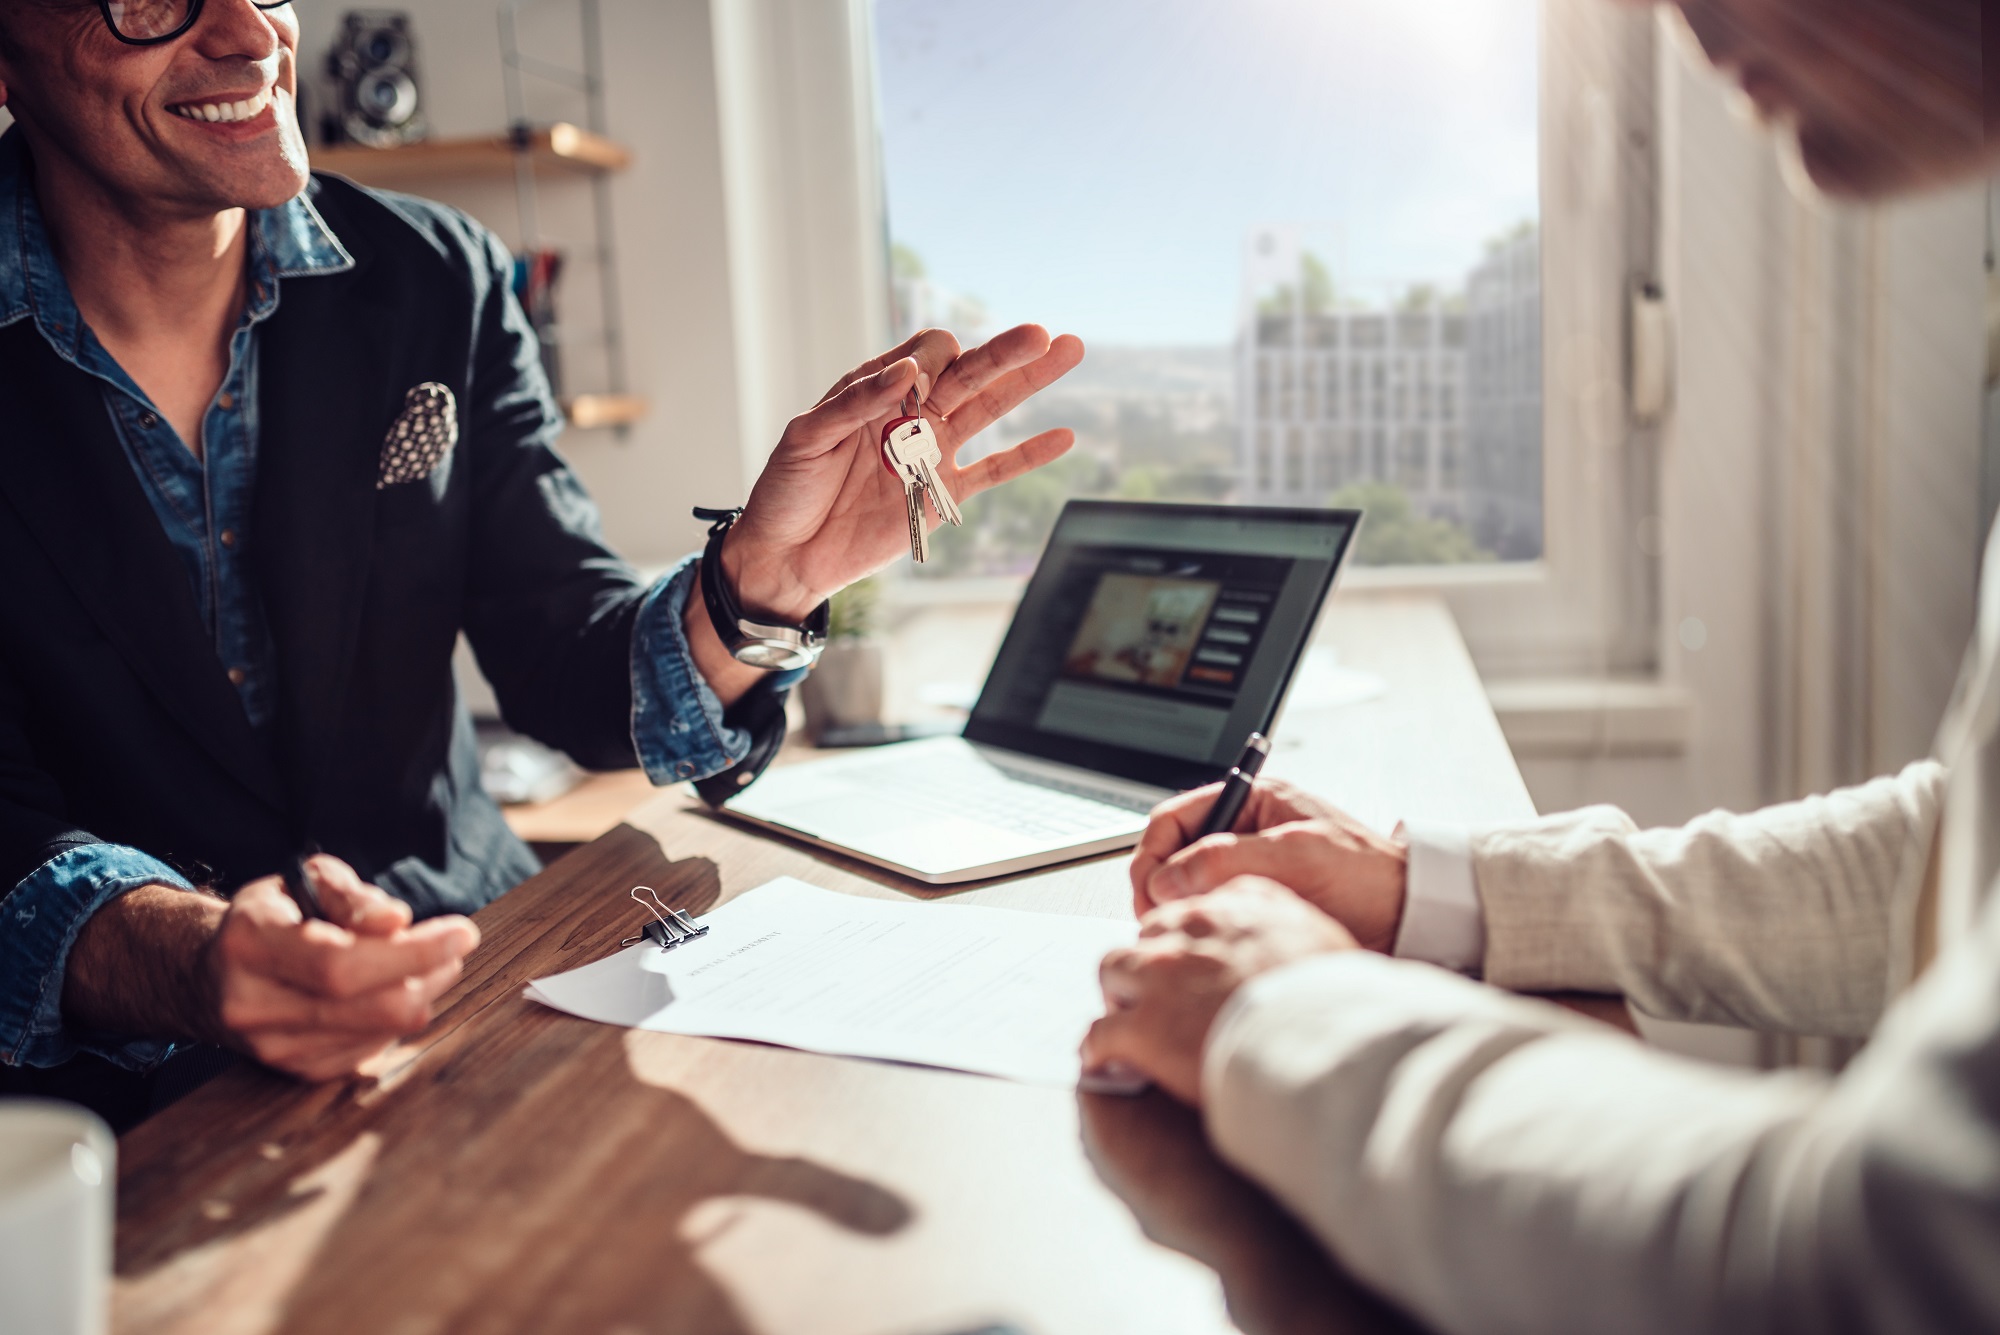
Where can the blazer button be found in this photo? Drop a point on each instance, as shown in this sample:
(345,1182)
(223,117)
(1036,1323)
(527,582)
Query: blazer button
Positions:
(237,676)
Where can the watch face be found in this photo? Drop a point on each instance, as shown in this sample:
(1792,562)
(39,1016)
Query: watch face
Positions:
(774,655)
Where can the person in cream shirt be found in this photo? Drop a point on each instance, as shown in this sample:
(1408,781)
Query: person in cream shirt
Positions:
(1495,1164)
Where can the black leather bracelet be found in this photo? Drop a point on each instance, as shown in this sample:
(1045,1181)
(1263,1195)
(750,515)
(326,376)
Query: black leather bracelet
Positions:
(761,713)
(773,646)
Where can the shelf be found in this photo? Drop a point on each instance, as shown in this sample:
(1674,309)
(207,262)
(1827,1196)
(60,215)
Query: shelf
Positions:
(590,410)
(559,147)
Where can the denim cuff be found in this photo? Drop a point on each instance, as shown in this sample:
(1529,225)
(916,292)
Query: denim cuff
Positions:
(678,723)
(43,915)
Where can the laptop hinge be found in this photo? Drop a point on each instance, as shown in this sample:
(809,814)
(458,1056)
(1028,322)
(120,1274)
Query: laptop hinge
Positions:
(1073,778)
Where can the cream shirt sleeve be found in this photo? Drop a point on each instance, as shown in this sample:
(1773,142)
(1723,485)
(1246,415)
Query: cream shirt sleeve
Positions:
(1794,919)
(1496,1165)
(1442,922)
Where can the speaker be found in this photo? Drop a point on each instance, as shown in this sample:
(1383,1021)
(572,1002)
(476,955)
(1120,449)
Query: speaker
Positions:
(373,65)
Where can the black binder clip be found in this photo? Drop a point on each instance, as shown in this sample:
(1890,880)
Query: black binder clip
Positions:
(670,927)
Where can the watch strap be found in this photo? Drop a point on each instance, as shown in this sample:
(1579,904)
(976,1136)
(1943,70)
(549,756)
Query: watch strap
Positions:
(725,612)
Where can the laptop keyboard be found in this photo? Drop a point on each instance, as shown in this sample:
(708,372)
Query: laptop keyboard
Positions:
(1037,807)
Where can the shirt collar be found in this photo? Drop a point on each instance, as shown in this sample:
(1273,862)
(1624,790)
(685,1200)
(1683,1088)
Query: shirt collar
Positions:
(289,241)
(296,239)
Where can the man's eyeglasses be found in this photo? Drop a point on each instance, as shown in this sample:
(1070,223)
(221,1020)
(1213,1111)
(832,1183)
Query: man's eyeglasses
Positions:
(148,22)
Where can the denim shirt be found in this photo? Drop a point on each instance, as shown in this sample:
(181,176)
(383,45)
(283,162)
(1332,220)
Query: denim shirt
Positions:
(203,506)
(203,502)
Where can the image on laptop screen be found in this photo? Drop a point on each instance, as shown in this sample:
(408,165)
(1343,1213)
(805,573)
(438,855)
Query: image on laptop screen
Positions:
(1154,638)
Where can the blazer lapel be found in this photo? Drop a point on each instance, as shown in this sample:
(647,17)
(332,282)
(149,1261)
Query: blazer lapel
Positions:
(326,395)
(66,476)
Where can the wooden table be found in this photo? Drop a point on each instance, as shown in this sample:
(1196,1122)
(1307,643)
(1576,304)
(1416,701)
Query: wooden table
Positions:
(516,1169)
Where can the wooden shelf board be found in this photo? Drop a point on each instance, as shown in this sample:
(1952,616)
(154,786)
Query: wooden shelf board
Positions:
(589,410)
(560,146)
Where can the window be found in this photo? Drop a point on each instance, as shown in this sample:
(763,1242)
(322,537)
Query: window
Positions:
(1413,460)
(1260,217)
(1332,466)
(1448,459)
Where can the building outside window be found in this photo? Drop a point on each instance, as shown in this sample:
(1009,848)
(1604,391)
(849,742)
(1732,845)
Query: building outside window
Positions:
(1301,242)
(1477,342)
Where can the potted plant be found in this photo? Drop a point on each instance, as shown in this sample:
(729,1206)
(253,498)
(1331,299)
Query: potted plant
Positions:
(845,686)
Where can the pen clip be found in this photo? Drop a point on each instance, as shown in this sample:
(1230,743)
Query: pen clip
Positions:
(303,887)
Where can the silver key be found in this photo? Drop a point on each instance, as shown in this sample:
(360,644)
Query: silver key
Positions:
(920,529)
(914,447)
(913,506)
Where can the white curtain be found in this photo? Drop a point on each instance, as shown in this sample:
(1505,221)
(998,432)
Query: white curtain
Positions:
(802,185)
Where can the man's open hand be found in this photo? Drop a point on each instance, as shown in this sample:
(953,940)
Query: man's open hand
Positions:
(1162,995)
(826,511)
(320,998)
(1336,863)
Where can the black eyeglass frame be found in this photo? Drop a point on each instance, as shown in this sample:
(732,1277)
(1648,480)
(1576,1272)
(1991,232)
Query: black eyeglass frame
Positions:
(194,12)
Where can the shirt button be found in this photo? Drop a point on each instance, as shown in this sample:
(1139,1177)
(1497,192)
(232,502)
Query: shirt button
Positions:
(237,676)
(684,769)
(149,420)
(226,402)
(228,537)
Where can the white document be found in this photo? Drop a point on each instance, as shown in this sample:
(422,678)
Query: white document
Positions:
(994,991)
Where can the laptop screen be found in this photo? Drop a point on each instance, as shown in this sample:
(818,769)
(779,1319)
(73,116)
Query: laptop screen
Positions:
(1154,638)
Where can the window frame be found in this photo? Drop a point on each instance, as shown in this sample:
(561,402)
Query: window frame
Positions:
(1589,607)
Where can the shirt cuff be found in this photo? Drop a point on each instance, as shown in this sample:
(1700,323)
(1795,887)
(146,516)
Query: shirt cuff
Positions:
(43,915)
(1443,921)
(678,724)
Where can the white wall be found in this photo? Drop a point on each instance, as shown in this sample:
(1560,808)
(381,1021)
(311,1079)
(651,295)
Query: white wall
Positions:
(686,248)
(1820,474)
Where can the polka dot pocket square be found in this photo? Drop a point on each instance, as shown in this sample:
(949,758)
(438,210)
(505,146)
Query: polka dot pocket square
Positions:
(421,436)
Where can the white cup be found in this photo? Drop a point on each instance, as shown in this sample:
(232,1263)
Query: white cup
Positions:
(58,1180)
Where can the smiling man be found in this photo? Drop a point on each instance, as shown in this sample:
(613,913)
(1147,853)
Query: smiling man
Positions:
(271,443)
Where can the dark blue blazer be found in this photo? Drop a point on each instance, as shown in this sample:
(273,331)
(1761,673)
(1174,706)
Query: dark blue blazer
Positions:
(117,722)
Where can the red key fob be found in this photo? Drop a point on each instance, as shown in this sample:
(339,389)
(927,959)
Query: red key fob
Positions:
(888,461)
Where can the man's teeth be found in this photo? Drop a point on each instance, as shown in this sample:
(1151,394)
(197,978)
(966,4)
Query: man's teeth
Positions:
(247,109)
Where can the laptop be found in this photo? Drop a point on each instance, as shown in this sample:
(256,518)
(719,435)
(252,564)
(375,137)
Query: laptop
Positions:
(1151,642)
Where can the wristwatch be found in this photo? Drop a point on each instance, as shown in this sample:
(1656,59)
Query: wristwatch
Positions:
(774,646)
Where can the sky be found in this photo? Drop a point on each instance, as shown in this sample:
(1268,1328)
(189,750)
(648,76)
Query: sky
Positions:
(1097,165)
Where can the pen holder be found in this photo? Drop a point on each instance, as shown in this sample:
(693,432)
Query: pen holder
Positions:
(845,686)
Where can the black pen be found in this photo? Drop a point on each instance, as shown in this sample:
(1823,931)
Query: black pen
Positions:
(1236,786)
(303,887)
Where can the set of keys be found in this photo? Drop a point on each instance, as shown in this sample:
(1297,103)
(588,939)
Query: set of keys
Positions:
(910,450)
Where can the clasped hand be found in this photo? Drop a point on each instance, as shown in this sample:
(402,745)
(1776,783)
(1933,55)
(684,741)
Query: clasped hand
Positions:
(321,998)
(318,999)
(1295,878)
